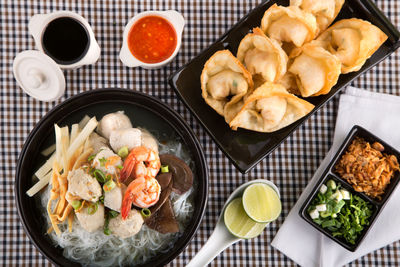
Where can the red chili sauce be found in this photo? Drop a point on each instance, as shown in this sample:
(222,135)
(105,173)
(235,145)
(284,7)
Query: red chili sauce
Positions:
(152,39)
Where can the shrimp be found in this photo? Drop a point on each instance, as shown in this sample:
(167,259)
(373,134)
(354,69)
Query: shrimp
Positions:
(142,193)
(141,161)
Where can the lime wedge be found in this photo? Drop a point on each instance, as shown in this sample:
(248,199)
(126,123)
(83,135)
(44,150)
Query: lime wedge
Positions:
(261,203)
(238,223)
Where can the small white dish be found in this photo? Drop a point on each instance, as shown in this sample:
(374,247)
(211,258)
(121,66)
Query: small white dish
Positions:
(37,26)
(221,238)
(178,23)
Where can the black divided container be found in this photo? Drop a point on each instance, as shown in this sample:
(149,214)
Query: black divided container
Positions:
(246,148)
(378,205)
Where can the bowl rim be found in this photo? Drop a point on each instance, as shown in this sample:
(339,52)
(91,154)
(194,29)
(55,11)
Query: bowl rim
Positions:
(202,169)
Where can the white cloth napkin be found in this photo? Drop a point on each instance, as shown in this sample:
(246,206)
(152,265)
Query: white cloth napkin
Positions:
(378,113)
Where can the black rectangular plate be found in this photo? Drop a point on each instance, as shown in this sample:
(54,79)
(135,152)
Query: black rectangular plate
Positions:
(246,148)
(356,131)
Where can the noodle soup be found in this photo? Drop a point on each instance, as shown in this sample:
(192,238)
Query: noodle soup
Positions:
(105,247)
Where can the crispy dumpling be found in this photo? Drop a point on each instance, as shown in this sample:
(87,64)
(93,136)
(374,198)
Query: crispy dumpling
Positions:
(324,11)
(315,70)
(263,57)
(224,83)
(270,108)
(289,82)
(353,41)
(289,25)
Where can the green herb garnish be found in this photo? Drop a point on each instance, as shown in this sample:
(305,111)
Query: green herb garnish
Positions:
(234,83)
(91,157)
(92,208)
(76,204)
(164,169)
(99,175)
(110,214)
(109,185)
(123,152)
(145,213)
(102,161)
(113,213)
(343,214)
(107,231)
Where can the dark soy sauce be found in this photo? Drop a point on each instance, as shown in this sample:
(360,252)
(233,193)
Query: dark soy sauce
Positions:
(66,40)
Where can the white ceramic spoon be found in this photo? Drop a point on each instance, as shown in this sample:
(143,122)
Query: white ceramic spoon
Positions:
(221,238)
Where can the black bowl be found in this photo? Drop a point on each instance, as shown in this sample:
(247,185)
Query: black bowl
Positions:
(377,205)
(244,148)
(145,111)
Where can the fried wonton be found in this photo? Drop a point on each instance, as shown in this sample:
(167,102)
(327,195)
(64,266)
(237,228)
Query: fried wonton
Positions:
(224,83)
(289,25)
(270,108)
(263,57)
(314,69)
(353,41)
(324,11)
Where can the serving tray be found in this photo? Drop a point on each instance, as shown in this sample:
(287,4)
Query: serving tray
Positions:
(330,173)
(246,148)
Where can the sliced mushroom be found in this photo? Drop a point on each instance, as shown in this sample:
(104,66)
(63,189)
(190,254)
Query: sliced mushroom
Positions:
(165,181)
(164,220)
(182,176)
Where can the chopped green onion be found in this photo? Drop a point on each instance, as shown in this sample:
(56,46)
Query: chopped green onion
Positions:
(109,185)
(92,208)
(234,83)
(107,231)
(331,184)
(339,206)
(120,167)
(328,223)
(344,217)
(91,171)
(145,213)
(113,213)
(91,157)
(164,168)
(109,215)
(99,176)
(325,214)
(123,152)
(108,177)
(101,199)
(102,161)
(76,204)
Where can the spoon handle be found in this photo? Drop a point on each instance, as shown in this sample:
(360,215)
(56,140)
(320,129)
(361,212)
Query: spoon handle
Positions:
(219,240)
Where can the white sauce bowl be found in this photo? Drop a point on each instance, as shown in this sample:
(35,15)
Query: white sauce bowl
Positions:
(178,23)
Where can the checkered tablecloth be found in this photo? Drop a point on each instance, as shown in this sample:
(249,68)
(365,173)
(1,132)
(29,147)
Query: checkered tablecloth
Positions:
(290,167)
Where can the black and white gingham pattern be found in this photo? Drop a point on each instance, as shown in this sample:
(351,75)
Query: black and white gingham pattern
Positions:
(290,167)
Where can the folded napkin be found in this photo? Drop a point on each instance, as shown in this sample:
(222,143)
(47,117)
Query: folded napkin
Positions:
(378,113)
